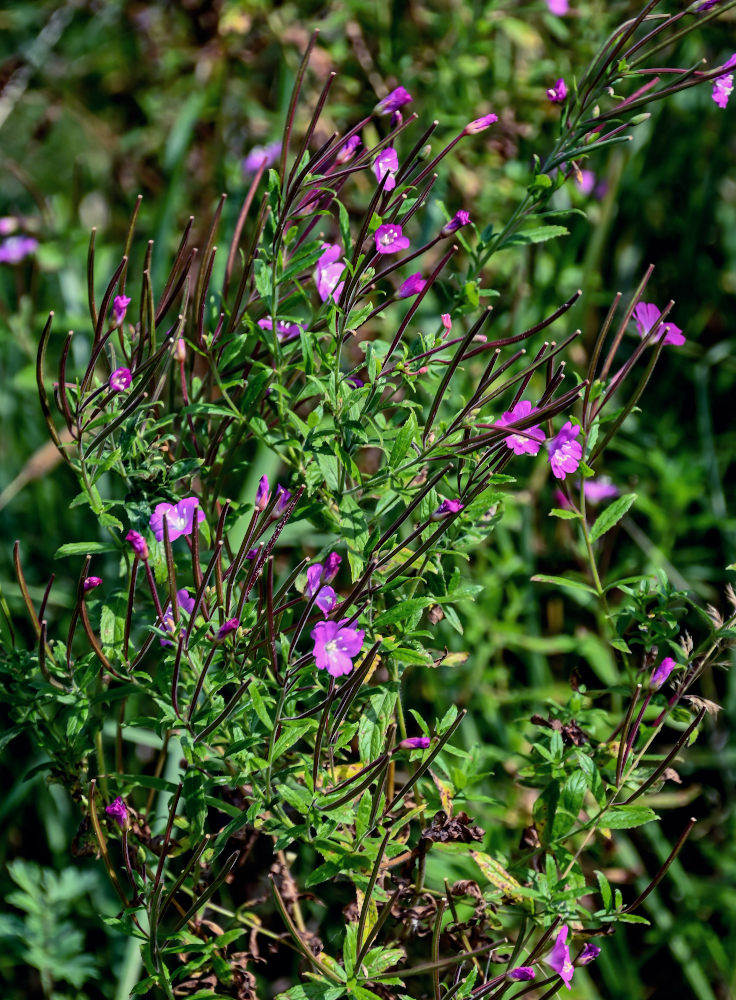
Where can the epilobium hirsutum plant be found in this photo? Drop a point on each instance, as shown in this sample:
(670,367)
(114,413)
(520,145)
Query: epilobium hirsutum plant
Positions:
(296,797)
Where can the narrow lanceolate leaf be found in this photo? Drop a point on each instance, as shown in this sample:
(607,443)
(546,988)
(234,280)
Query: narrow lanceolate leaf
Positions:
(497,875)
(562,581)
(611,515)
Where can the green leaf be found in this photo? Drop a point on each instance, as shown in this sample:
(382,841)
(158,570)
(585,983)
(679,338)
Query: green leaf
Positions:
(402,612)
(540,234)
(626,817)
(83,549)
(563,581)
(611,515)
(566,515)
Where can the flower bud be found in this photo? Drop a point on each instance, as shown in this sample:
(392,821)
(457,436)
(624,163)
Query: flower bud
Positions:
(118,811)
(415,743)
(138,544)
(91,582)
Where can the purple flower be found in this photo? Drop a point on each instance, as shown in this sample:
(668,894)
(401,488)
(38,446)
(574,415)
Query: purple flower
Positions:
(413,285)
(120,379)
(184,601)
(348,149)
(722,88)
(332,565)
(565,453)
(17,248)
(661,673)
(480,124)
(356,383)
(646,315)
(558,93)
(226,628)
(589,954)
(415,743)
(118,811)
(179,517)
(707,5)
(585,180)
(518,444)
(387,162)
(91,582)
(284,331)
(599,489)
(328,272)
(261,156)
(335,645)
(390,239)
(393,101)
(119,307)
(522,973)
(263,494)
(558,7)
(461,218)
(559,958)
(282,499)
(137,544)
(8,225)
(446,508)
(325,596)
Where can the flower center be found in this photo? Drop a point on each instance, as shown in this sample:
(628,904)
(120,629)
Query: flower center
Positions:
(331,646)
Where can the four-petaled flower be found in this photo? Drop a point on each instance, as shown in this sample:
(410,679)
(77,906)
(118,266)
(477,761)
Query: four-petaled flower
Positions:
(120,379)
(390,239)
(119,307)
(183,600)
(661,673)
(284,331)
(137,543)
(324,595)
(413,285)
(226,628)
(589,954)
(480,124)
(179,518)
(335,646)
(522,973)
(446,508)
(565,453)
(263,494)
(328,271)
(415,743)
(518,444)
(259,156)
(558,93)
(460,218)
(91,582)
(118,811)
(393,101)
(646,315)
(385,165)
(559,958)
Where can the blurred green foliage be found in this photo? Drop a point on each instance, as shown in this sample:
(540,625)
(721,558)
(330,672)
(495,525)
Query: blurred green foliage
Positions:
(103,100)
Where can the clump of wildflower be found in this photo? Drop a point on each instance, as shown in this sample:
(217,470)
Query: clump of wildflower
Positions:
(516,442)
(120,379)
(413,285)
(393,101)
(646,315)
(328,271)
(559,958)
(446,508)
(661,673)
(480,124)
(522,973)
(565,453)
(183,600)
(386,164)
(138,544)
(226,628)
(460,218)
(415,743)
(91,582)
(335,646)
(284,331)
(118,811)
(179,517)
(119,307)
(17,248)
(261,156)
(589,954)
(558,93)
(390,239)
